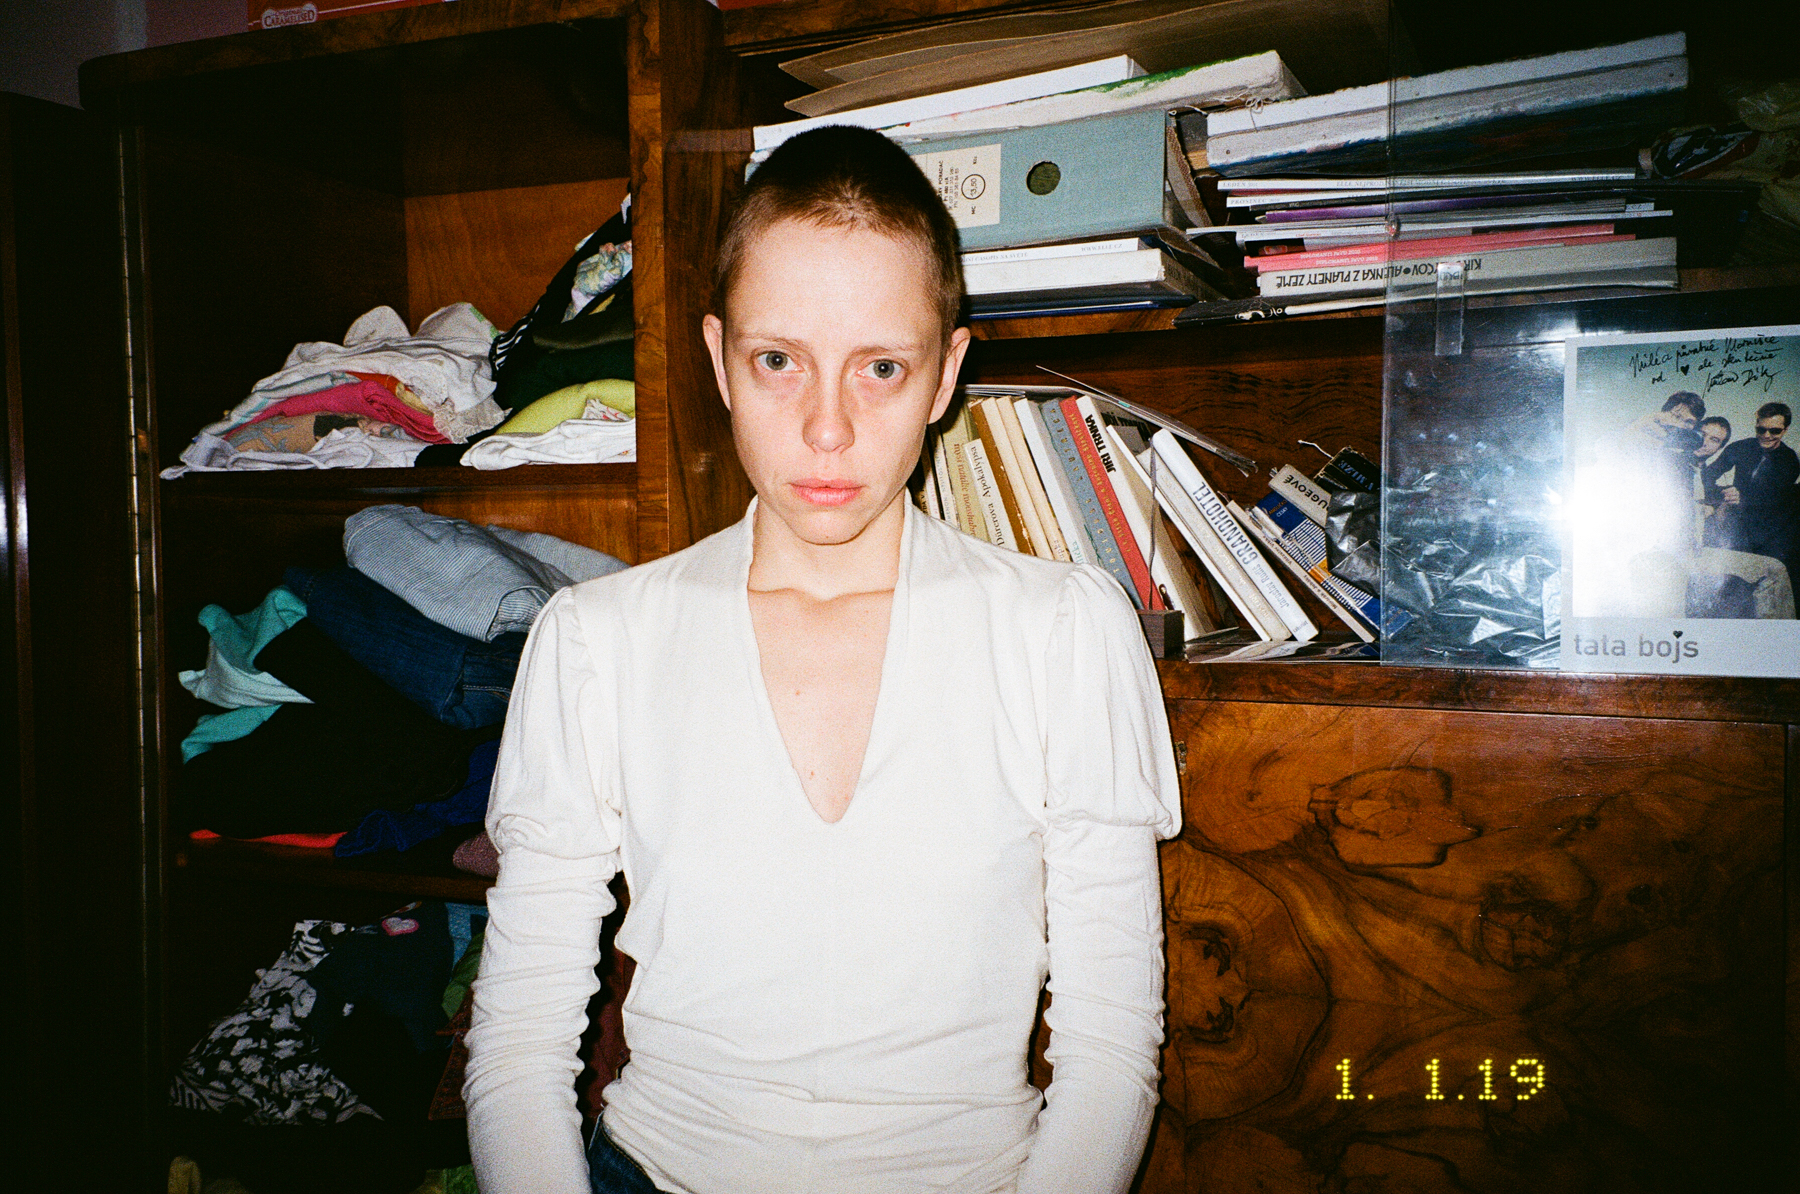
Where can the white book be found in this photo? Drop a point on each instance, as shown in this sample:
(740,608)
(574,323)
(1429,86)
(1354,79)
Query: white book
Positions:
(1449,223)
(1169,450)
(1036,538)
(1258,78)
(1458,84)
(946,103)
(1420,182)
(1648,263)
(1269,535)
(1150,269)
(1132,486)
(1031,481)
(1443,113)
(940,476)
(1258,614)
(1080,248)
(996,526)
(1057,490)
(928,492)
(1306,494)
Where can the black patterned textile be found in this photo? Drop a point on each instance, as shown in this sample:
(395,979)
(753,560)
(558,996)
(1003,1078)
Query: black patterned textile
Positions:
(260,1065)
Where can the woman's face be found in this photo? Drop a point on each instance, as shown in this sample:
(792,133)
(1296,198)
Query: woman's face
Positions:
(832,360)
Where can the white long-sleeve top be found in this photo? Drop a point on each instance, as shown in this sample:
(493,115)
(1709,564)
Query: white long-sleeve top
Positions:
(832,1007)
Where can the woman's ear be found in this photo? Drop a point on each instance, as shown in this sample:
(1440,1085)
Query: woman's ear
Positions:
(712,329)
(954,352)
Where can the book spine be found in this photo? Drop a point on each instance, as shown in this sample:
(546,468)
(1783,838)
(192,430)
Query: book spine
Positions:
(1483,272)
(962,485)
(1350,469)
(1216,514)
(1227,575)
(1065,440)
(928,489)
(1033,498)
(945,103)
(1167,575)
(1305,542)
(1122,244)
(1090,441)
(1268,535)
(1057,491)
(1306,494)
(987,496)
(1001,469)
(940,474)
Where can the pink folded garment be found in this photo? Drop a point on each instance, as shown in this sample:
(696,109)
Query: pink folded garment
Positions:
(362,398)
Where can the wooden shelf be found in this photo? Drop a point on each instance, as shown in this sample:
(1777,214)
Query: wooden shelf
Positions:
(424,871)
(315,483)
(385,30)
(1681,698)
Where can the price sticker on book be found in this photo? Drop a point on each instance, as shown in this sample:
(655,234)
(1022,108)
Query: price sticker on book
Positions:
(968,181)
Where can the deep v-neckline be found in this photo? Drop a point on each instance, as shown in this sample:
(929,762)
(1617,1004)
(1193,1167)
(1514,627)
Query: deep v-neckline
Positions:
(759,683)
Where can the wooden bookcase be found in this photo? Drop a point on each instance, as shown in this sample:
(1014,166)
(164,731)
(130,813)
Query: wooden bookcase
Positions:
(1379,862)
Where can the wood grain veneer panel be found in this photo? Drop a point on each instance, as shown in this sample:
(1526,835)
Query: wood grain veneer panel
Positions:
(246,258)
(498,249)
(691,106)
(1602,895)
(785,27)
(103,78)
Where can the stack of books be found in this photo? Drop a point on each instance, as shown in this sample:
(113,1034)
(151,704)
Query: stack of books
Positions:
(1369,192)
(1076,474)
(1051,136)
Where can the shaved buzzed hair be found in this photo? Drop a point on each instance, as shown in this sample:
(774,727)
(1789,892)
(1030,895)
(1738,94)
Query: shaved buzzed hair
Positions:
(848,178)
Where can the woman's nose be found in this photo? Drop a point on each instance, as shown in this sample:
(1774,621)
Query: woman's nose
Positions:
(827,427)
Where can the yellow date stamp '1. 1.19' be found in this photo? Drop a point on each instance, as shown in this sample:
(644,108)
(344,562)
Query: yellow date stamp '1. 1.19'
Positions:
(1527,1072)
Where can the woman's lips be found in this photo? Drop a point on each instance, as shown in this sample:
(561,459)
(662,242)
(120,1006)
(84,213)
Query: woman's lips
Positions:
(820,492)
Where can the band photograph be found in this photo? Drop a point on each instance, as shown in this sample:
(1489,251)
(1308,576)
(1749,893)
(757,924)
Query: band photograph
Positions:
(1682,501)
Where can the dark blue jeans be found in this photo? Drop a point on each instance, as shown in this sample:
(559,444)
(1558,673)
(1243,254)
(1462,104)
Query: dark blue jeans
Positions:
(461,681)
(610,1171)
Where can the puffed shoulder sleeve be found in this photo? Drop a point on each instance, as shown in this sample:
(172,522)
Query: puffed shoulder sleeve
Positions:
(1107,749)
(1112,791)
(554,791)
(554,816)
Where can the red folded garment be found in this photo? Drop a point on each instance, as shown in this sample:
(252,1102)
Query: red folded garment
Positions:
(369,398)
(312,841)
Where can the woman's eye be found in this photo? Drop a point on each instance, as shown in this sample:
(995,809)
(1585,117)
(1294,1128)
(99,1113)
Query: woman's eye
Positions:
(885,370)
(776,361)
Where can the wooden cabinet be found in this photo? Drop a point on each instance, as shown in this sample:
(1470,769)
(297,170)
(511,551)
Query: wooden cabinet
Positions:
(1474,949)
(1384,869)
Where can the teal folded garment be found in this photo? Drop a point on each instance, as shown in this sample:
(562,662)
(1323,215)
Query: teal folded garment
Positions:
(214,728)
(230,678)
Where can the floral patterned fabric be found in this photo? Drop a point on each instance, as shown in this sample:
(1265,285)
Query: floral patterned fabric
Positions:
(259,1065)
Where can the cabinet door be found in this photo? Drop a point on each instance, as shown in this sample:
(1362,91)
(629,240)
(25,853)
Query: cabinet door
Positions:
(72,847)
(1418,950)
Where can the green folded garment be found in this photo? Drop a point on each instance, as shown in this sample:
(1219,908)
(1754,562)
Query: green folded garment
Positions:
(568,403)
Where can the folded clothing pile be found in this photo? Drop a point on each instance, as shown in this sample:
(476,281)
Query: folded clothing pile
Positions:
(565,370)
(376,400)
(362,703)
(334,1061)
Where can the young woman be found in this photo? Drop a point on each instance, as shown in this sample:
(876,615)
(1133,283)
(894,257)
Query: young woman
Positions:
(869,780)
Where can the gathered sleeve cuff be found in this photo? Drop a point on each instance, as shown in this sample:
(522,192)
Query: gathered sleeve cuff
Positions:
(1112,793)
(554,817)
